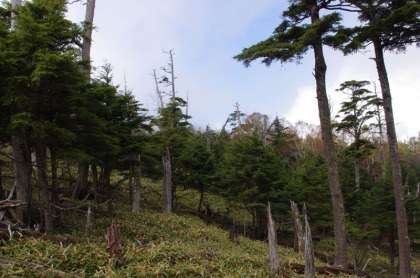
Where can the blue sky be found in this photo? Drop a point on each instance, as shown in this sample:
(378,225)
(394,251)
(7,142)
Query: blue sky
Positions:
(206,34)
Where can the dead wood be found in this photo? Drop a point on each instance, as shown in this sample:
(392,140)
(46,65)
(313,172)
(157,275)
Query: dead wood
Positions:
(6,204)
(44,269)
(113,237)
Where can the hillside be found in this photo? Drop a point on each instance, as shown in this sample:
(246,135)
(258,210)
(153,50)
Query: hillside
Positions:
(177,245)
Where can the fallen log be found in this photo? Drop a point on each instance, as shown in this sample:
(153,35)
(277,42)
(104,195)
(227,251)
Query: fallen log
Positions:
(326,270)
(18,263)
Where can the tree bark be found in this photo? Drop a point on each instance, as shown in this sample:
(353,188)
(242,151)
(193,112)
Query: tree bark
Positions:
(234,230)
(82,180)
(167,190)
(309,252)
(357,173)
(298,226)
(329,153)
(136,187)
(41,162)
(87,41)
(113,237)
(272,243)
(83,170)
(403,239)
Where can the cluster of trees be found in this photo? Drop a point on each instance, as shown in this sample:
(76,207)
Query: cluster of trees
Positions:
(386,25)
(53,113)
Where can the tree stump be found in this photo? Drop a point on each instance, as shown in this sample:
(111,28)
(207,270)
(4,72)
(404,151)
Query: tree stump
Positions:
(113,238)
(272,243)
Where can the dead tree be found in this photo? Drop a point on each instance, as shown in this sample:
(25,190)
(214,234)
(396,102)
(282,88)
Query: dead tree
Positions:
(167,189)
(309,251)
(272,242)
(136,188)
(113,238)
(298,227)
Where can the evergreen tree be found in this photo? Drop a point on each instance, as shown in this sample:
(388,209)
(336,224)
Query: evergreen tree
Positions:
(289,42)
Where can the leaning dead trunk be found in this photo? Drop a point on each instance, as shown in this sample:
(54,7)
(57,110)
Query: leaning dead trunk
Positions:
(41,162)
(329,153)
(167,190)
(136,187)
(272,243)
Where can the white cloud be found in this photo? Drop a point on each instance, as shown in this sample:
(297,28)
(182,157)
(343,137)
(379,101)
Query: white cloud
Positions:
(305,107)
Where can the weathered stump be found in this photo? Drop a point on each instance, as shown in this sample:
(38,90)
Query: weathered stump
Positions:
(113,238)
(272,243)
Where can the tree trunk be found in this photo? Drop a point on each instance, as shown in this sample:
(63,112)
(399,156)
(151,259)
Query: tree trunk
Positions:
(82,180)
(403,239)
(136,187)
(41,162)
(167,190)
(90,12)
(329,153)
(309,251)
(95,180)
(21,157)
(22,170)
(54,178)
(298,226)
(83,170)
(357,173)
(107,188)
(272,243)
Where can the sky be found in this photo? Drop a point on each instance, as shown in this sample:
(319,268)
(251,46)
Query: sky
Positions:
(132,35)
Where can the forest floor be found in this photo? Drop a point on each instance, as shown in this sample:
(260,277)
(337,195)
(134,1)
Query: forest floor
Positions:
(153,244)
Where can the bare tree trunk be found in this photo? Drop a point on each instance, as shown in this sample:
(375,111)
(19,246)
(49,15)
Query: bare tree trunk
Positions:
(381,134)
(88,220)
(136,187)
(272,243)
(83,170)
(41,162)
(167,190)
(357,173)
(309,251)
(208,138)
(329,153)
(265,130)
(403,239)
(158,92)
(87,41)
(298,226)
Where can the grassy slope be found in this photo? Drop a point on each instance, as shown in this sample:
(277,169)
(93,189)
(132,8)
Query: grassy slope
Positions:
(173,245)
(178,245)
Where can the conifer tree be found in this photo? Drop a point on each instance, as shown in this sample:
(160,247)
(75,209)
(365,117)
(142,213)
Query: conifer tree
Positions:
(289,42)
(389,26)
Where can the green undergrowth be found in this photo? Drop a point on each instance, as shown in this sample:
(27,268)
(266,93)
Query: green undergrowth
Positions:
(155,244)
(171,246)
